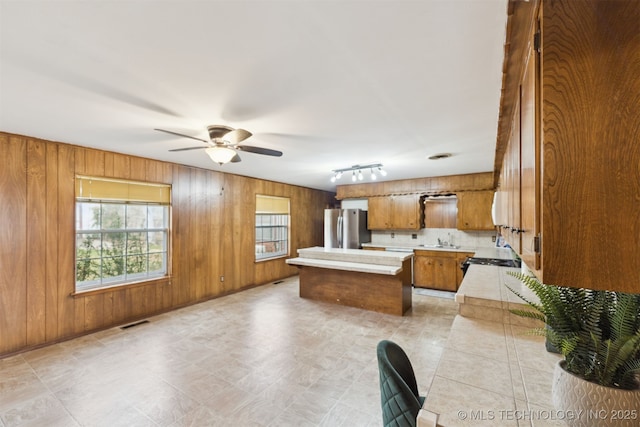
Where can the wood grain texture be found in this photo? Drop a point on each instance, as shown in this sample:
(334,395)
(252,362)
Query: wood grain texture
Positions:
(65,282)
(591,154)
(374,292)
(440,213)
(36,211)
(530,163)
(212,234)
(474,210)
(521,20)
(51,243)
(436,270)
(13,243)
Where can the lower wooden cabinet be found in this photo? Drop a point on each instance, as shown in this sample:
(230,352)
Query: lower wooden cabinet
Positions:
(438,269)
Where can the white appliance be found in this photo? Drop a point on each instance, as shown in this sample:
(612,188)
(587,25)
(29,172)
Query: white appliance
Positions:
(345,228)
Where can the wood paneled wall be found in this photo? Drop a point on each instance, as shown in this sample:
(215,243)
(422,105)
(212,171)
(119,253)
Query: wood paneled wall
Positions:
(212,237)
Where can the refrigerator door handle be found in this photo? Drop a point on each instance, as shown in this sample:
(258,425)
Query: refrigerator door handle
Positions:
(339,231)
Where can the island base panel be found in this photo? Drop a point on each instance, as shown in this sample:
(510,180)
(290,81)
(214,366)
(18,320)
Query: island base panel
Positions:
(374,292)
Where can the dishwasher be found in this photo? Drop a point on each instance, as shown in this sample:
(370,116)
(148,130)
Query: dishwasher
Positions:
(406,251)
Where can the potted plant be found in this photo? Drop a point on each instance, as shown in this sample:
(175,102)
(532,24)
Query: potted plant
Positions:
(598,334)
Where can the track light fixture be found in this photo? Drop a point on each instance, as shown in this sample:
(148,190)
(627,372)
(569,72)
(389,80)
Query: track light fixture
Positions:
(356,172)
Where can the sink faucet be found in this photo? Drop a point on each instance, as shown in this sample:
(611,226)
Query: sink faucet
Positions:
(439,241)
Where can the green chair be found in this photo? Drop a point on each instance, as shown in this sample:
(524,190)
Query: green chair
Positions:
(398,388)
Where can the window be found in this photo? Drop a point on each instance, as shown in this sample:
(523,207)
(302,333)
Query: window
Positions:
(272,227)
(122,232)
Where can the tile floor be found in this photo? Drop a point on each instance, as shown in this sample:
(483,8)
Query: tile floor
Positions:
(263,357)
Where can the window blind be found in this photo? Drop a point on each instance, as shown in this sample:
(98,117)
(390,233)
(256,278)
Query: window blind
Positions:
(109,189)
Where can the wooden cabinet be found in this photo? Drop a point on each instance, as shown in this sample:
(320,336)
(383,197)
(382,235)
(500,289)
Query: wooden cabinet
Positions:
(529,194)
(474,210)
(435,270)
(398,212)
(440,212)
(574,147)
(379,215)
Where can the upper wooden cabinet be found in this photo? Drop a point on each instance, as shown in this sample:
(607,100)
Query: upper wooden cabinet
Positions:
(440,213)
(577,130)
(474,210)
(401,212)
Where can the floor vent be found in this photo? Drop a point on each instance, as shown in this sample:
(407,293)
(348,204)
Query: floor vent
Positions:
(131,325)
(278,282)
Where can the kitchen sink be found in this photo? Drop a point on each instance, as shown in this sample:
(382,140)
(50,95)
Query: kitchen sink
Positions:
(440,246)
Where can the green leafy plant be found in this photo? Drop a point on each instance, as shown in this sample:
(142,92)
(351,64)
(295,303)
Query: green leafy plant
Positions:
(597,332)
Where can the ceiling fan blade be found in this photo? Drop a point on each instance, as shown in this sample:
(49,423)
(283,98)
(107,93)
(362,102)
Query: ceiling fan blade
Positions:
(235,159)
(259,150)
(183,135)
(188,148)
(236,136)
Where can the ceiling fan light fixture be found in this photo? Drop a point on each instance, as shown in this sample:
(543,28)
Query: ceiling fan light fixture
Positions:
(221,155)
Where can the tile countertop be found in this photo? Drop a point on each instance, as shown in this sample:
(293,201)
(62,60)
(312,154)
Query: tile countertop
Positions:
(390,248)
(487,252)
(491,374)
(494,253)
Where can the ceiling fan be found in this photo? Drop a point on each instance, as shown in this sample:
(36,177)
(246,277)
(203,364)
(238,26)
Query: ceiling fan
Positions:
(224,143)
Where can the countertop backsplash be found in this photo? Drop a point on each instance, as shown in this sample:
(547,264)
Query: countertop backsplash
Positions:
(430,236)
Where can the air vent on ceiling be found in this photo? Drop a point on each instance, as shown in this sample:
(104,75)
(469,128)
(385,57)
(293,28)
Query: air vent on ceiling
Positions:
(439,156)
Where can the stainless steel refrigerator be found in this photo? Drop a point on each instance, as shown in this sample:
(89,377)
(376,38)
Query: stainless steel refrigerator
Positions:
(345,228)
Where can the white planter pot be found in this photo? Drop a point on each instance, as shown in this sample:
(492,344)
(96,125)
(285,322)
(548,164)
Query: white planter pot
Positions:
(585,404)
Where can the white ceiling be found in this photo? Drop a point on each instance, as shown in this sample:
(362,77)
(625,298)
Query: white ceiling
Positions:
(329,83)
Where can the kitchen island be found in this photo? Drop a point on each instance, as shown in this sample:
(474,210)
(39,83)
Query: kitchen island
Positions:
(376,281)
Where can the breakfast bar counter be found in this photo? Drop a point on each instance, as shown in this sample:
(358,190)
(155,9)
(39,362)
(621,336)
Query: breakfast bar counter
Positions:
(377,281)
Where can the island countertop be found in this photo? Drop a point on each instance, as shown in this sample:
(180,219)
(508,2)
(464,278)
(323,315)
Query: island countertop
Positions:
(358,260)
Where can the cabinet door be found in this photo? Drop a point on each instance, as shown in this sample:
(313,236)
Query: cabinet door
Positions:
(435,270)
(474,210)
(440,213)
(406,212)
(423,272)
(530,166)
(444,273)
(379,215)
(513,235)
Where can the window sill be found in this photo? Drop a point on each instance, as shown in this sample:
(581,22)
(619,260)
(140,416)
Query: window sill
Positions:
(272,258)
(120,286)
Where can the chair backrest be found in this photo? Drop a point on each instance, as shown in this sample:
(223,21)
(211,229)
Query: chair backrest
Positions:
(398,388)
